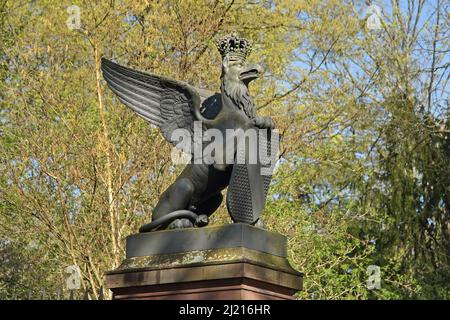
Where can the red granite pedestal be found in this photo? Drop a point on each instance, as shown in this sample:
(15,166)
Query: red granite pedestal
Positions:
(234,262)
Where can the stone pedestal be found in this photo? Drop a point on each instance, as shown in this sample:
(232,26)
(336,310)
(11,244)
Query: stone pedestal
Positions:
(232,262)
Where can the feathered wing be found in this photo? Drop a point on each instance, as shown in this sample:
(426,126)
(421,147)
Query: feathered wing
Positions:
(166,103)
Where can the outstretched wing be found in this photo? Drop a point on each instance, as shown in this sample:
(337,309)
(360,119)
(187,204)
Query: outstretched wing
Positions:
(166,103)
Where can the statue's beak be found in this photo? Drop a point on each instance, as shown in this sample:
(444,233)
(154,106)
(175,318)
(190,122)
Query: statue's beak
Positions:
(252,72)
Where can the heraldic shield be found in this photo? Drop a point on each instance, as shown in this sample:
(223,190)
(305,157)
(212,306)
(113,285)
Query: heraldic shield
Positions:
(251,176)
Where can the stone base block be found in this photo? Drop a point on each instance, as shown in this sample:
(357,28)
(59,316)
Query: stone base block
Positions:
(231,262)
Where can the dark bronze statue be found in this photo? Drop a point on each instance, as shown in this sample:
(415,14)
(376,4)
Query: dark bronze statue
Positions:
(170,105)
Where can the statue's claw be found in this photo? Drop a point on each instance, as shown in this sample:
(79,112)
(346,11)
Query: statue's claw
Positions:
(263,122)
(181,224)
(202,220)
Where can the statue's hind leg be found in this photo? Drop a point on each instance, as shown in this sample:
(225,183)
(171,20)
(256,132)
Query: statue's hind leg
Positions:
(210,205)
(176,197)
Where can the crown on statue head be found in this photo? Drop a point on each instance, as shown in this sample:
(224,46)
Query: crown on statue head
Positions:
(234,47)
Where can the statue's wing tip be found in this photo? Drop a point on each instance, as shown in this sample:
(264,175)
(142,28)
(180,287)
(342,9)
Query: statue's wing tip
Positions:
(108,63)
(105,61)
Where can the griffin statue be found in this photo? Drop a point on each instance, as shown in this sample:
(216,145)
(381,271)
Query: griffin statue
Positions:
(170,104)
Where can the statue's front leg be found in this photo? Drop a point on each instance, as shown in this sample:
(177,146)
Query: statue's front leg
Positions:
(263,122)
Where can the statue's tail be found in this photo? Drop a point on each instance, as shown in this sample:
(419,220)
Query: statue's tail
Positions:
(197,220)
